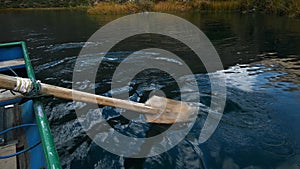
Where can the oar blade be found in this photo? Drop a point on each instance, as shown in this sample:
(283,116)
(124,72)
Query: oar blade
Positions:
(171,111)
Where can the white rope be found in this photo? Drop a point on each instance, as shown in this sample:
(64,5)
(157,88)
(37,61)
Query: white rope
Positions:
(23,85)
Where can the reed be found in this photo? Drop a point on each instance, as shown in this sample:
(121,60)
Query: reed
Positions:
(206,5)
(296,9)
(171,6)
(114,8)
(77,8)
(224,5)
(279,7)
(163,6)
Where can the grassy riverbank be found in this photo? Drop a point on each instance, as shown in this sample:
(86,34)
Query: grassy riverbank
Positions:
(279,7)
(82,8)
(163,6)
(43,3)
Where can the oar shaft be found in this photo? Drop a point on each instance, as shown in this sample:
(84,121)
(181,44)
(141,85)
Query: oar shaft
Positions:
(9,82)
(64,93)
(156,109)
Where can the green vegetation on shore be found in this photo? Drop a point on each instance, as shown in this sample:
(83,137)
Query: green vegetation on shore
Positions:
(43,3)
(279,7)
(162,6)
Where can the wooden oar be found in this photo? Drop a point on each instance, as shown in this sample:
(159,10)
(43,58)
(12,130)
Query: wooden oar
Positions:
(156,109)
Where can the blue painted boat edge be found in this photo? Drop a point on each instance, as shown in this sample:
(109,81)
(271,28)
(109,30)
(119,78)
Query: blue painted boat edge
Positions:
(37,158)
(10,102)
(11,51)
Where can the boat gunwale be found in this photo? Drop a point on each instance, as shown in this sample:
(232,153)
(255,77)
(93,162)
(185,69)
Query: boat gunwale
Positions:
(50,152)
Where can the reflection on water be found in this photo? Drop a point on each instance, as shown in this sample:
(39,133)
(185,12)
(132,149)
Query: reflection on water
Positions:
(286,73)
(259,128)
(269,74)
(255,124)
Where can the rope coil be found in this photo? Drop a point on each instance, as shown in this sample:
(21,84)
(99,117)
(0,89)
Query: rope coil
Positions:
(23,85)
(24,150)
(29,88)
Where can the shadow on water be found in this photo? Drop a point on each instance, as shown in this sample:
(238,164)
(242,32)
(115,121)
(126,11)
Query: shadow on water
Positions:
(261,59)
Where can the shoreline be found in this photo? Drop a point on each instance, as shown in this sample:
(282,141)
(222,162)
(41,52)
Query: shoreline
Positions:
(291,9)
(162,6)
(45,8)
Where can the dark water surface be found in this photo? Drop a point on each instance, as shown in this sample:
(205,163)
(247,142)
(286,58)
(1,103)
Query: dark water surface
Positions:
(261,56)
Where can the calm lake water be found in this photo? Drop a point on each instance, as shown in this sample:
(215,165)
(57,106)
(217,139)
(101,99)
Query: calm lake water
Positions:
(261,58)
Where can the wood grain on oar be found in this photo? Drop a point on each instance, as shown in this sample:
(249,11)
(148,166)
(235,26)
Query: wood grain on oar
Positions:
(157,109)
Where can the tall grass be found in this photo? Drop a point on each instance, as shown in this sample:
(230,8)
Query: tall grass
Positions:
(171,6)
(162,6)
(204,5)
(207,5)
(225,5)
(296,8)
(280,7)
(114,8)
